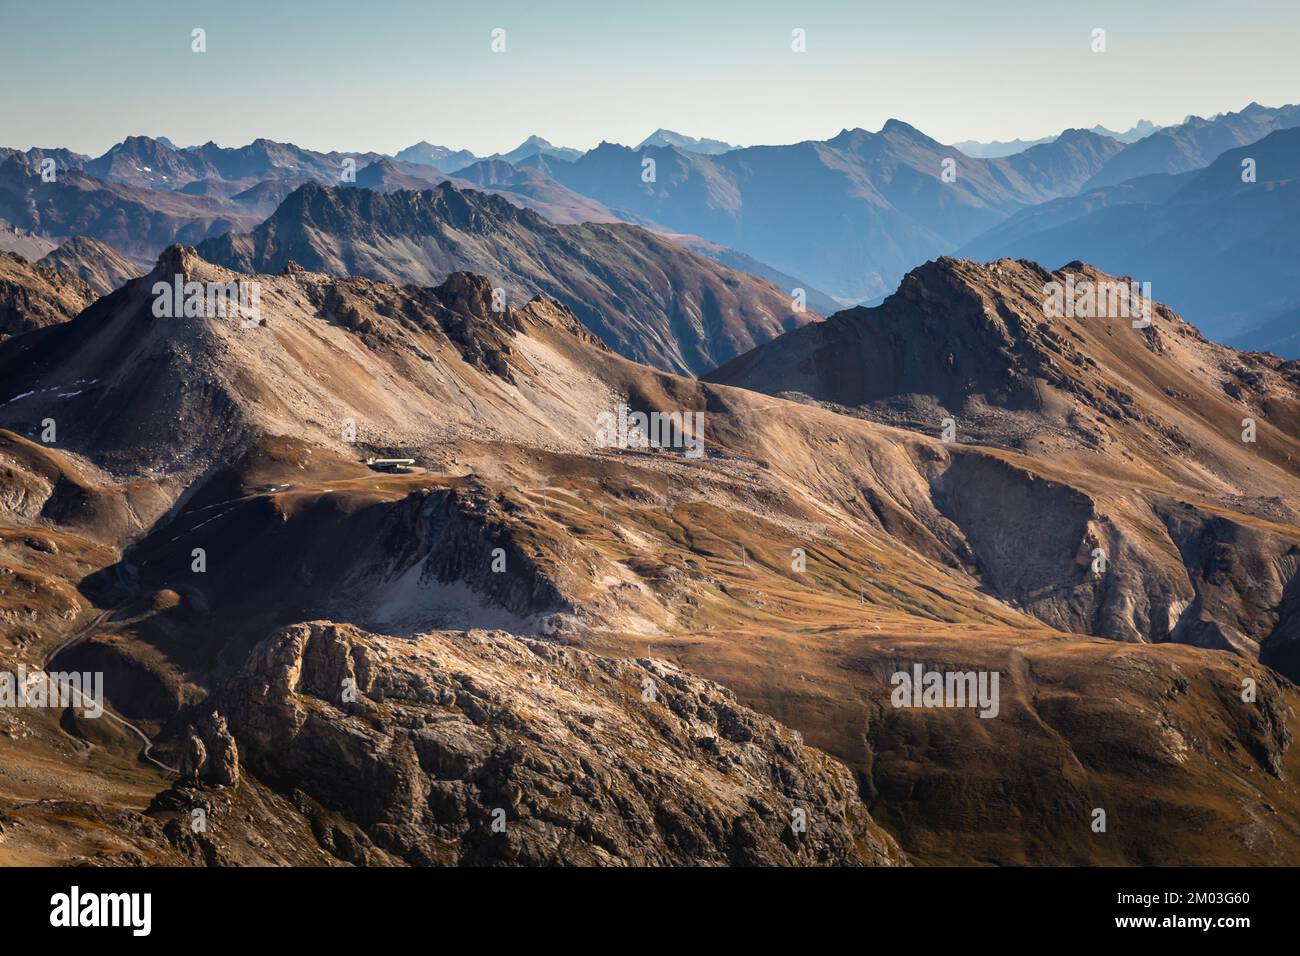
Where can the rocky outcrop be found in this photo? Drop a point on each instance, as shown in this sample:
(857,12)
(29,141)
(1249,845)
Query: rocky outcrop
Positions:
(34,296)
(211,756)
(483,748)
(463,308)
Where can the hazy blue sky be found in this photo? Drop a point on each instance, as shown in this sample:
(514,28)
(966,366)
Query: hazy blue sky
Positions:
(381,75)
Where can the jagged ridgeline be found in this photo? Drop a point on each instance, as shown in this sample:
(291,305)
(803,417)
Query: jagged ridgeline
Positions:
(646,296)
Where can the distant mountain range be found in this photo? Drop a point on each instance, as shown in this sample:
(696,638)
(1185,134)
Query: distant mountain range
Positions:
(666,137)
(536,146)
(532,187)
(1010,147)
(140,220)
(63,158)
(453,160)
(1193,144)
(141,161)
(850,214)
(441,157)
(842,219)
(137,221)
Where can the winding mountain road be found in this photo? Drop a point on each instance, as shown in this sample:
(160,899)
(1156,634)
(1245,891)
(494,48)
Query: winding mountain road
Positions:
(75,638)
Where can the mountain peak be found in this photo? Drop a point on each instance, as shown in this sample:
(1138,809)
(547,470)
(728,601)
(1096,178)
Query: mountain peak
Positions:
(979,342)
(668,137)
(139,145)
(605,273)
(898,128)
(893,125)
(442,158)
(176,260)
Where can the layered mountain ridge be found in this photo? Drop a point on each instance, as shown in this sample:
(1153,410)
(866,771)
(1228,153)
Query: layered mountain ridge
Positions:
(1121,688)
(646,296)
(866,207)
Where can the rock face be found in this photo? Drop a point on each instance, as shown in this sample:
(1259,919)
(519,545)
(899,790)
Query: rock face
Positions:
(34,296)
(211,755)
(99,265)
(488,749)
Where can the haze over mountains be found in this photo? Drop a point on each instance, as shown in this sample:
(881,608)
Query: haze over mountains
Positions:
(1195,143)
(140,161)
(996,148)
(445,159)
(136,221)
(453,160)
(851,214)
(666,137)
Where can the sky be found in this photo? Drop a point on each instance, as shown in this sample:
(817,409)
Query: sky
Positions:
(383,74)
